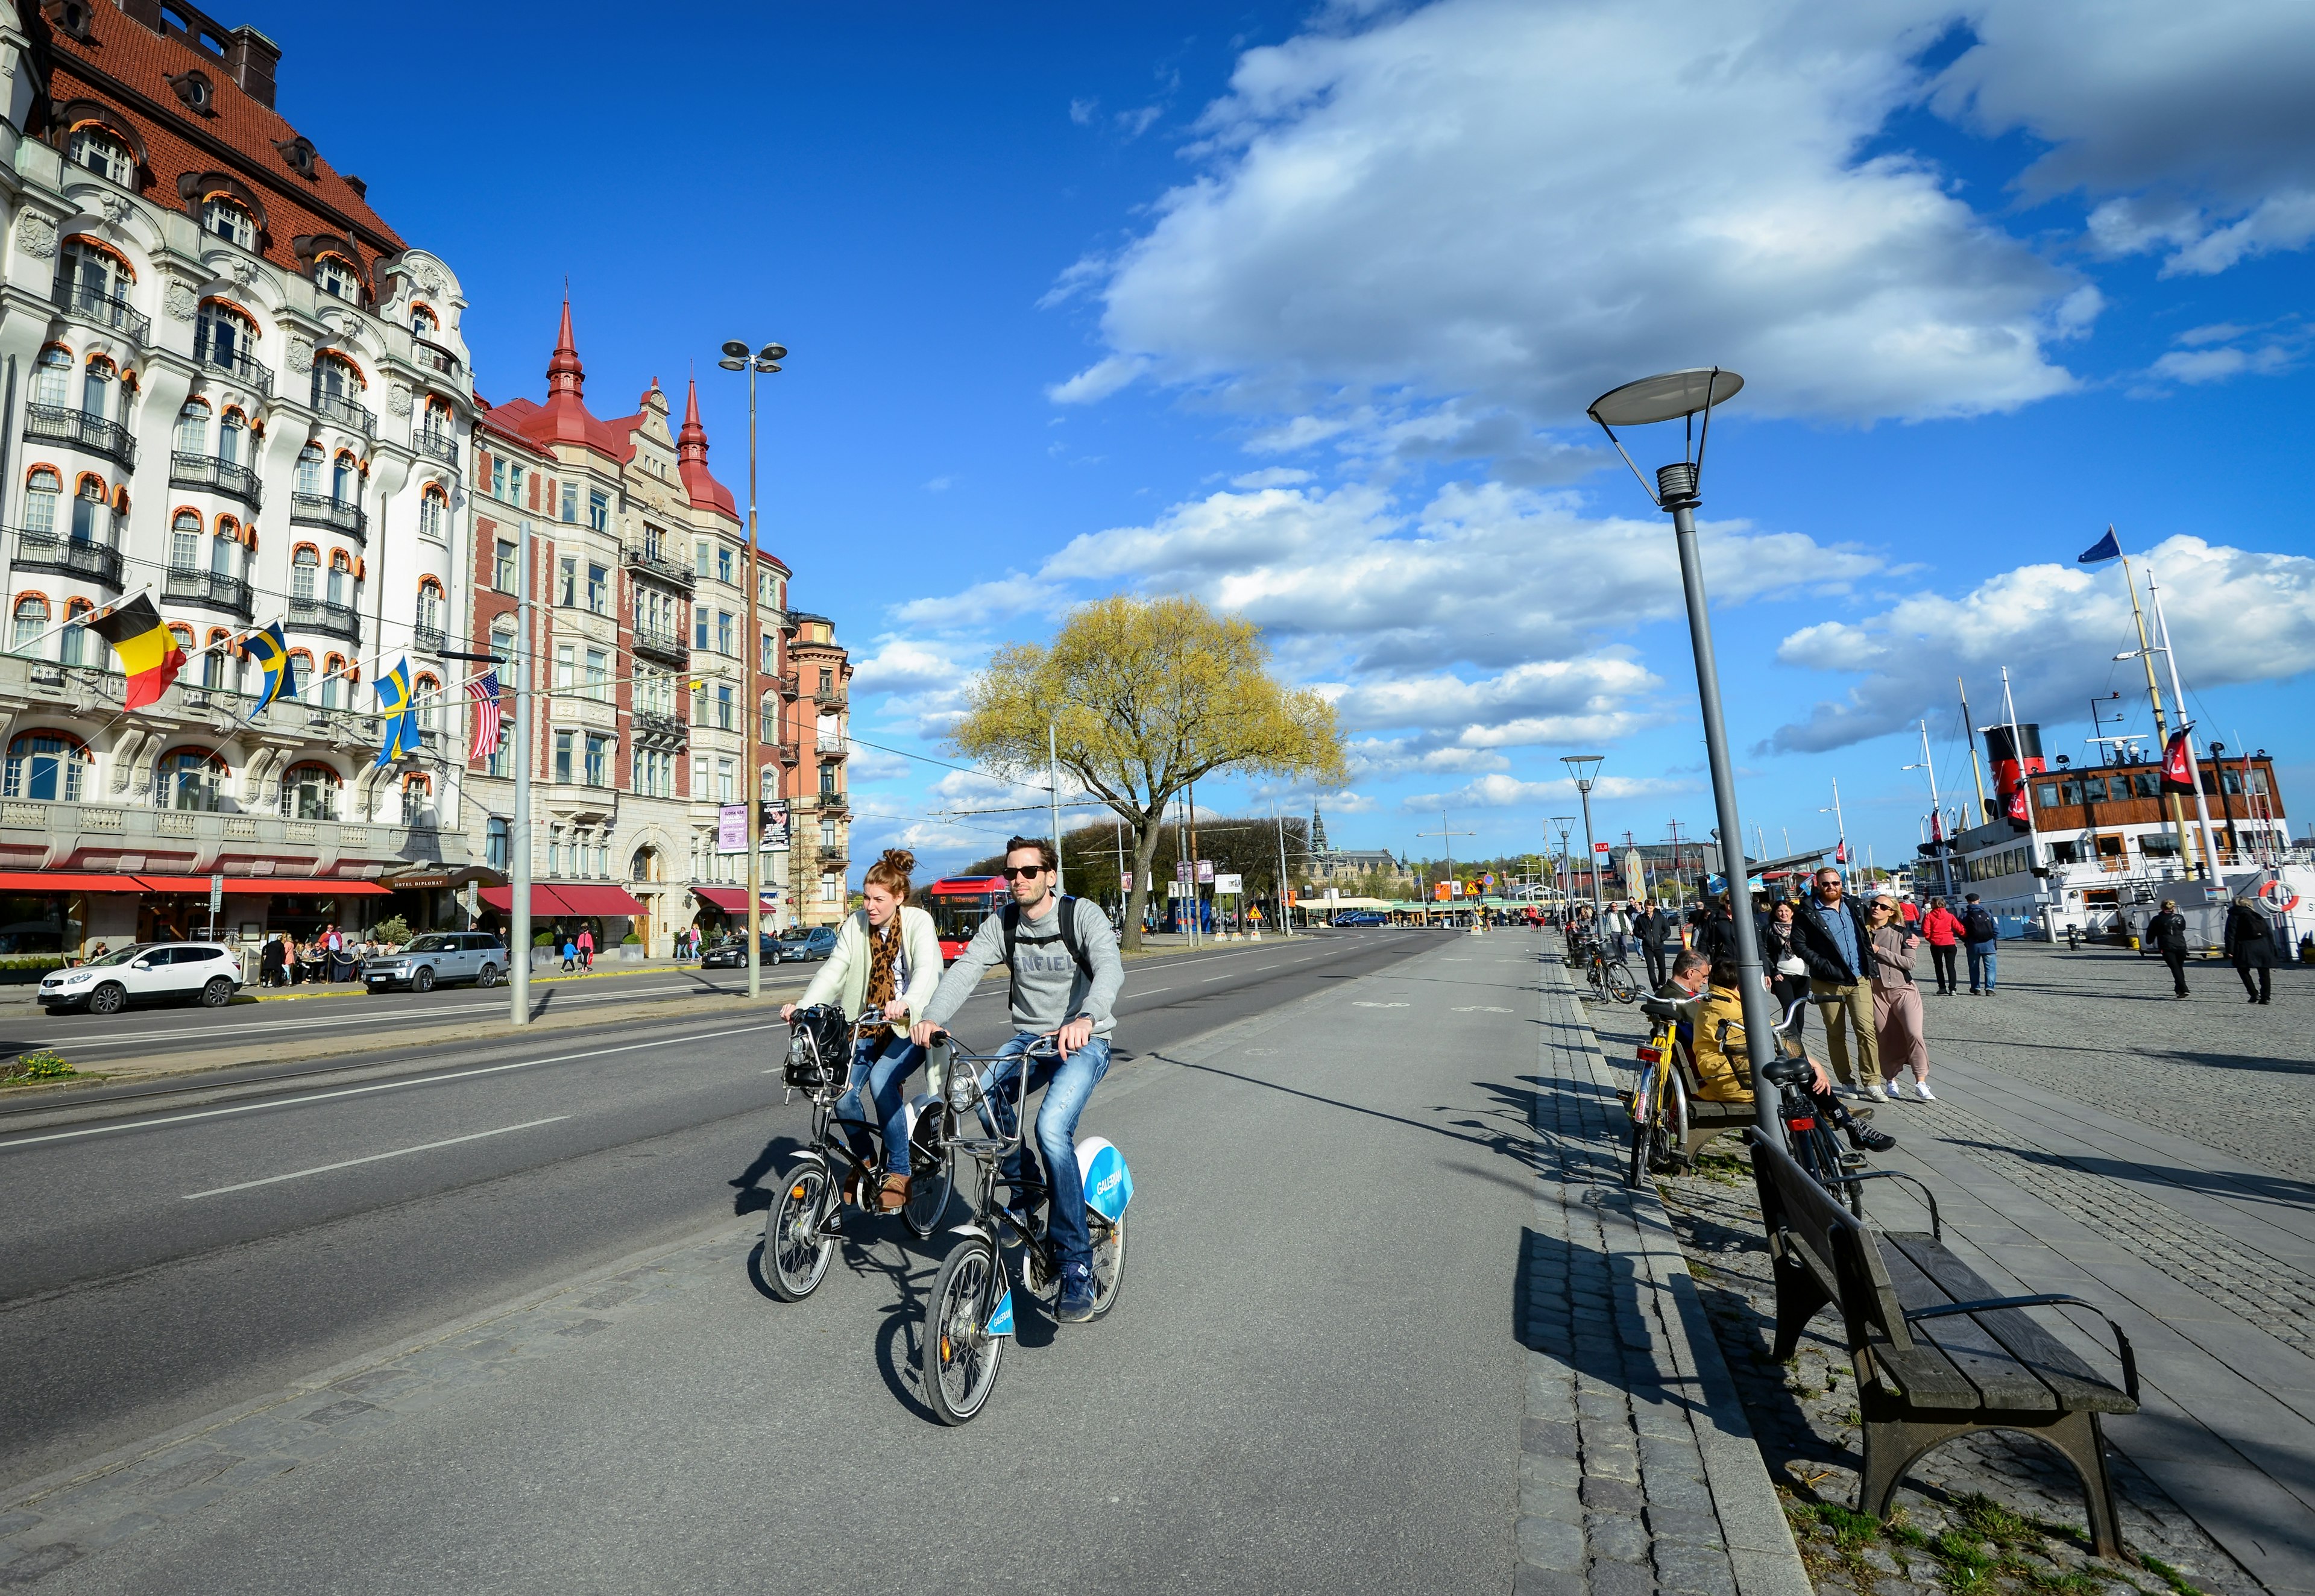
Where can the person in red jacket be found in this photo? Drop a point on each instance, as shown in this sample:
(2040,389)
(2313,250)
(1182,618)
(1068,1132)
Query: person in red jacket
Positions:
(1942,927)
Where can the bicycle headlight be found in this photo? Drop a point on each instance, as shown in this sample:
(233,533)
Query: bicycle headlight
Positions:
(964,1089)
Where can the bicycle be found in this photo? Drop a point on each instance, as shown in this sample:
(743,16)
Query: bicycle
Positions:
(1659,1117)
(1808,1137)
(1609,977)
(804,1222)
(970,1314)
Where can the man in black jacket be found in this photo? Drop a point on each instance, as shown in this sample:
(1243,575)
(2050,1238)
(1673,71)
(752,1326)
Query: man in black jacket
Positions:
(1833,940)
(1654,924)
(2250,943)
(2166,932)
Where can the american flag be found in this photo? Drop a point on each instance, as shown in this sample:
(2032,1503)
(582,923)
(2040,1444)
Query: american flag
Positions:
(484,691)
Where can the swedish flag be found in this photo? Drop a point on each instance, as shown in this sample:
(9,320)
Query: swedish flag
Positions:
(270,650)
(400,718)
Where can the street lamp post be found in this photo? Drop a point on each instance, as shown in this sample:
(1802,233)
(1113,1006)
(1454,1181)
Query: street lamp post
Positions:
(1586,769)
(1566,824)
(1683,395)
(736,358)
(1840,831)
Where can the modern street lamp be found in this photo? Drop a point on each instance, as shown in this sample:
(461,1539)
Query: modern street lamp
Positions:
(1586,769)
(767,359)
(1566,824)
(1682,397)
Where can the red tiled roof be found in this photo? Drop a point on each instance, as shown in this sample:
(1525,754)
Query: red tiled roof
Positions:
(124,52)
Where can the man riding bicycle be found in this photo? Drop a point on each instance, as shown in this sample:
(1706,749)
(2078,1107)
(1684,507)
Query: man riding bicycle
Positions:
(1062,957)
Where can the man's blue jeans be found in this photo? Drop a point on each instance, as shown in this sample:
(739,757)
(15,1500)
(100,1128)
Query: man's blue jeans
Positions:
(1980,964)
(1068,1084)
(884,1074)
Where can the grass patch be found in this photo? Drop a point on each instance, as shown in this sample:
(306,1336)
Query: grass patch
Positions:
(1989,1548)
(42,1066)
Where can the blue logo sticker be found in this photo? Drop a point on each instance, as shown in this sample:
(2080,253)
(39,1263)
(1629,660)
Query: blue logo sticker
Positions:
(1108,1183)
(1001,1323)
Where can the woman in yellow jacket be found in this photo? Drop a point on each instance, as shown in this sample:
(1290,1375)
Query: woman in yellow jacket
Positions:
(1725,1071)
(886,966)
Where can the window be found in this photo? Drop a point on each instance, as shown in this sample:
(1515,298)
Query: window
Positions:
(333,674)
(96,388)
(194,429)
(2094,789)
(422,322)
(724,633)
(598,760)
(567,589)
(723,565)
(336,385)
(502,571)
(701,558)
(215,667)
(770,731)
(723,793)
(224,547)
(92,514)
(310,793)
(831,889)
(827,781)
(101,153)
(827,836)
(699,623)
(433,514)
(31,619)
(429,605)
(827,682)
(498,844)
(723,709)
(185,542)
(224,337)
(426,703)
(768,655)
(74,643)
(599,676)
(570,504)
(47,768)
(229,221)
(563,750)
(599,588)
(565,670)
(51,376)
(336,277)
(92,276)
(309,470)
(599,511)
(41,490)
(514,484)
(655,774)
(342,577)
(498,479)
(303,565)
(189,778)
(654,542)
(229,431)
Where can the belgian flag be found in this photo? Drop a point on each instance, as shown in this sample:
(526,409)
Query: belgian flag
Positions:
(149,654)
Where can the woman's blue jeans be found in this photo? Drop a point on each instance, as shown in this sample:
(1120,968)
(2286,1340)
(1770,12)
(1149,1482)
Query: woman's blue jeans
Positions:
(885,1074)
(1067,1084)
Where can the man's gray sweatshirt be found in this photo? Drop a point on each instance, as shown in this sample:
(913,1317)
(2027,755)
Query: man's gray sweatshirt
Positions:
(1049,990)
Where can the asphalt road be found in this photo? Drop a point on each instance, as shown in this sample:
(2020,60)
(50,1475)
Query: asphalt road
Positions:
(163,1264)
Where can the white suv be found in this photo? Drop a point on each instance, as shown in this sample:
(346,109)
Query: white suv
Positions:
(205,973)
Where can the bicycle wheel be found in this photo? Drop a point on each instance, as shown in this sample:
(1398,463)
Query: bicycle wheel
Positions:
(1621,987)
(1108,1262)
(795,1253)
(957,1359)
(928,1195)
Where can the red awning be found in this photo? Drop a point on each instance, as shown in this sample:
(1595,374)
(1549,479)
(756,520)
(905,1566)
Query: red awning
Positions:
(565,898)
(59,881)
(303,886)
(543,900)
(730,899)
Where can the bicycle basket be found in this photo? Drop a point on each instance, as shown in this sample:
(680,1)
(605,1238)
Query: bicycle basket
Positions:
(816,1049)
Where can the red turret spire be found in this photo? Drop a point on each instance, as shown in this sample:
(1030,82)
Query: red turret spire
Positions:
(564,374)
(691,443)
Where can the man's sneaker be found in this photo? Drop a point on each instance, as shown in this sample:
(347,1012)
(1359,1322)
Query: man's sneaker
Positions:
(1921,1090)
(1862,1135)
(1075,1303)
(1025,1216)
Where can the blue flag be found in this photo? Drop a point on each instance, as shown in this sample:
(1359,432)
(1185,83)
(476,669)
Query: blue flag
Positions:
(2104,549)
(401,717)
(270,650)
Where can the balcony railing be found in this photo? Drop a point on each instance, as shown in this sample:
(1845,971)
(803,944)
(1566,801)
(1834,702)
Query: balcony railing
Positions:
(829,698)
(86,300)
(237,363)
(435,357)
(45,551)
(441,445)
(334,620)
(229,477)
(214,588)
(315,510)
(660,566)
(669,645)
(58,424)
(831,748)
(346,412)
(651,723)
(788,753)
(428,639)
(787,685)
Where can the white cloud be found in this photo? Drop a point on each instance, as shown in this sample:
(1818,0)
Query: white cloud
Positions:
(939,484)
(1134,123)
(1503,791)
(1081,111)
(2236,616)
(1271,477)
(980,603)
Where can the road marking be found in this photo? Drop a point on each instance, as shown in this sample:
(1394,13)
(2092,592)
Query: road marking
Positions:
(1224,976)
(275,1180)
(1482,1008)
(1361,1004)
(1151,992)
(210,1114)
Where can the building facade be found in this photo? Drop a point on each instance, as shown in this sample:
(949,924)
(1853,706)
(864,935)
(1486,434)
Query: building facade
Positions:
(227,385)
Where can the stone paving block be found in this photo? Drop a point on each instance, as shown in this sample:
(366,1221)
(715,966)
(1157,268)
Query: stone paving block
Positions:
(1544,1468)
(1622,1538)
(1551,1543)
(1610,1578)
(1531,1580)
(1607,1493)
(1694,1571)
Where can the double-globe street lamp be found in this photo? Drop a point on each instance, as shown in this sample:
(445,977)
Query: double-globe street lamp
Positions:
(767,359)
(1682,397)
(1585,770)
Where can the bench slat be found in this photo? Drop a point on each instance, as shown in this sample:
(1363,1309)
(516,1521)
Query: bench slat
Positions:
(2003,1383)
(2079,1388)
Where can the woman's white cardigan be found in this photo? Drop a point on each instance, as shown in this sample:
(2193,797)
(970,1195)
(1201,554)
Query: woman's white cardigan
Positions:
(845,975)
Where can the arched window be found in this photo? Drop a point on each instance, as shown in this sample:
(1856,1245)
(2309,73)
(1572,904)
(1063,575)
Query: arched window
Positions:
(644,865)
(52,377)
(91,520)
(98,151)
(72,644)
(47,766)
(429,605)
(217,661)
(335,276)
(31,619)
(423,322)
(96,387)
(185,541)
(336,384)
(334,679)
(183,637)
(194,429)
(230,220)
(91,277)
(41,490)
(309,469)
(190,779)
(433,514)
(426,699)
(230,428)
(342,577)
(345,478)
(224,337)
(303,565)
(301,663)
(225,548)
(310,793)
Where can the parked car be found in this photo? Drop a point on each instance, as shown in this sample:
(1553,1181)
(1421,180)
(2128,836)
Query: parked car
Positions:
(1357,917)
(802,944)
(205,973)
(732,953)
(439,958)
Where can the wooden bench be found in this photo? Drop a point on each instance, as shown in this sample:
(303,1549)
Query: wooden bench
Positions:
(1937,1353)
(1701,1117)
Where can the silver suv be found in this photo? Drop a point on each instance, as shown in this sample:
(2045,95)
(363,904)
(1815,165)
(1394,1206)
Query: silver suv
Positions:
(439,957)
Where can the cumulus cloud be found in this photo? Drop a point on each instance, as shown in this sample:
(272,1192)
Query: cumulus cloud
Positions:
(2236,616)
(1503,791)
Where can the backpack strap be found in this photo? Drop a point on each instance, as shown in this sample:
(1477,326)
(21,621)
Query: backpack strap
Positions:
(1067,910)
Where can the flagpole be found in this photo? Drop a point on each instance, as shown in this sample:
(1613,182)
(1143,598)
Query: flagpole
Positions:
(2186,731)
(2025,778)
(2154,696)
(518,832)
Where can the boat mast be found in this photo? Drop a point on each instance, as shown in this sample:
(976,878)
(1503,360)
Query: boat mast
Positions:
(2154,697)
(1969,736)
(2186,730)
(1936,818)
(2025,779)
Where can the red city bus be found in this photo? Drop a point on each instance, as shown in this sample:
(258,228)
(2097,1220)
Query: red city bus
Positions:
(959,904)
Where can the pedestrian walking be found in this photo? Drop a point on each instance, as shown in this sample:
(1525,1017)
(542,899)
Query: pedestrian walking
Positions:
(1897,1006)
(586,947)
(1980,941)
(1788,973)
(272,962)
(1831,935)
(2166,932)
(1656,926)
(570,952)
(1943,929)
(2250,943)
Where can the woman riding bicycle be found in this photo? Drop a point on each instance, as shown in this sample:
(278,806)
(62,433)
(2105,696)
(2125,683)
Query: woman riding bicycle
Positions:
(886,966)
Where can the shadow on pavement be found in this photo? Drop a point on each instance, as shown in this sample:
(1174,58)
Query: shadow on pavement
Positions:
(2248,1186)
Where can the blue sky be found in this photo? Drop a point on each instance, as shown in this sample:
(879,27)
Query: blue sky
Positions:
(1298,307)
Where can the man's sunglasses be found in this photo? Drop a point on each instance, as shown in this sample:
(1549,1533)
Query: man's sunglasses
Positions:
(1025,872)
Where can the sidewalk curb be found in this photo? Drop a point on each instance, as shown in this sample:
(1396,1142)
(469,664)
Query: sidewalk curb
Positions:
(1639,1471)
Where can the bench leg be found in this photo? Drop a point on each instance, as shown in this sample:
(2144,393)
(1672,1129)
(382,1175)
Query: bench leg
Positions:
(1799,1298)
(1892,1446)
(2077,1437)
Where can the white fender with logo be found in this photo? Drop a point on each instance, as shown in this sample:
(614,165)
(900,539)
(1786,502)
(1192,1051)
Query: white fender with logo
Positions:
(1108,1183)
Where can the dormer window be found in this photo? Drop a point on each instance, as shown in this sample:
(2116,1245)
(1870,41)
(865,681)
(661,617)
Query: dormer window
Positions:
(196,90)
(299,154)
(423,322)
(70,17)
(335,277)
(229,221)
(99,151)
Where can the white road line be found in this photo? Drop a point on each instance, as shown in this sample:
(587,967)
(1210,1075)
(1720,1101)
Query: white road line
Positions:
(1147,992)
(1224,976)
(274,1179)
(210,1114)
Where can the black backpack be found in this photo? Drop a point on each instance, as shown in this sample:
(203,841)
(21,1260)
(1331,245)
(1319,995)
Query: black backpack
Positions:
(1979,924)
(1067,910)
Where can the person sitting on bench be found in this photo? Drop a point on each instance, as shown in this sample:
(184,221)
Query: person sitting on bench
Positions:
(1717,1048)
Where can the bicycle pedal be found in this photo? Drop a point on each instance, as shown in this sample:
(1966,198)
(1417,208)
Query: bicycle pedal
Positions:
(1852,1160)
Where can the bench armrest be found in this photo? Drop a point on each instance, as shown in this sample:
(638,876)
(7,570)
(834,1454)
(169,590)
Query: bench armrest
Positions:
(1936,1229)
(2049,1299)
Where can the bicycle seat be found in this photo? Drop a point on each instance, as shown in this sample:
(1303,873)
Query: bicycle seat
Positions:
(1787,1072)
